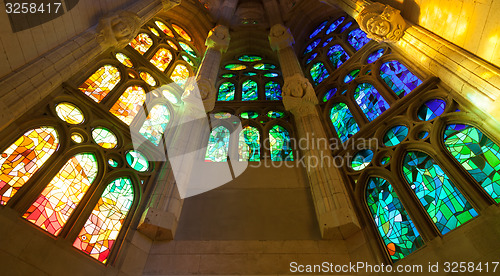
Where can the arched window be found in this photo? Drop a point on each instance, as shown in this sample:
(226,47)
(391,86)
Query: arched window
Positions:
(101,230)
(477,154)
(162,59)
(399,78)
(396,228)
(370,101)
(250,89)
(273,91)
(56,203)
(343,121)
(444,203)
(319,73)
(24,158)
(141,43)
(129,104)
(155,124)
(279,140)
(249,144)
(101,82)
(218,145)
(180,74)
(357,38)
(226,92)
(337,55)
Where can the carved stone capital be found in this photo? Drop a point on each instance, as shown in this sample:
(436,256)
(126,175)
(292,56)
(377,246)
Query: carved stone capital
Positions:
(218,38)
(299,96)
(382,23)
(117,29)
(168,4)
(280,37)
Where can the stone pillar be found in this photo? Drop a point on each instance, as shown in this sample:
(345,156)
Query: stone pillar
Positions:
(226,12)
(273,12)
(334,210)
(24,88)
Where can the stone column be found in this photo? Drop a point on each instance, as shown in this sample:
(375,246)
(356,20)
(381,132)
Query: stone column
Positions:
(27,86)
(334,210)
(226,12)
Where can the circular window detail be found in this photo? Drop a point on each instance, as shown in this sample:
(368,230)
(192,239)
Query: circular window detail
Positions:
(361,160)
(77,138)
(112,162)
(423,135)
(249,115)
(69,113)
(385,160)
(104,137)
(222,115)
(431,109)
(275,114)
(395,135)
(137,161)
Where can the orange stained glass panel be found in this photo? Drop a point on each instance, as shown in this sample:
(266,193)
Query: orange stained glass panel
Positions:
(162,59)
(181,32)
(101,82)
(129,104)
(141,43)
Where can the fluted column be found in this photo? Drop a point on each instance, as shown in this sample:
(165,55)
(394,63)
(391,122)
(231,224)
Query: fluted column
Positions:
(334,210)
(226,12)
(27,86)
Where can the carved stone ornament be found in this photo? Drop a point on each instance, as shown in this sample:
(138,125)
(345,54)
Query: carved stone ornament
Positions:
(118,29)
(218,38)
(299,96)
(168,4)
(382,23)
(280,37)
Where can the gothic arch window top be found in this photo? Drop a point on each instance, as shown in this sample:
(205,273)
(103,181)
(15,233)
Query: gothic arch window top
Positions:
(370,101)
(357,39)
(280,143)
(129,104)
(343,121)
(141,43)
(399,79)
(101,82)
(218,145)
(249,144)
(155,124)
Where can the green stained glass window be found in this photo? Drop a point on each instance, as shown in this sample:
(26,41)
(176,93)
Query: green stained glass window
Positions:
(431,109)
(137,161)
(235,67)
(218,145)
(188,60)
(328,95)
(399,234)
(112,162)
(337,55)
(477,153)
(228,76)
(249,88)
(399,78)
(370,101)
(273,91)
(155,124)
(249,115)
(343,121)
(250,74)
(280,142)
(444,203)
(395,135)
(271,75)
(104,137)
(249,144)
(385,160)
(423,135)
(249,58)
(264,66)
(275,114)
(226,92)
(319,73)
(187,48)
(351,76)
(362,159)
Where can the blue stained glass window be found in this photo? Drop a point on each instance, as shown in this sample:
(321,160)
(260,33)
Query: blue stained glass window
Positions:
(249,144)
(273,91)
(444,203)
(362,159)
(399,78)
(335,25)
(319,73)
(375,56)
(395,135)
(312,46)
(249,91)
(226,92)
(218,145)
(318,29)
(343,121)
(346,26)
(431,109)
(370,101)
(351,76)
(478,154)
(337,55)
(327,42)
(279,140)
(393,223)
(357,38)
(311,58)
(329,94)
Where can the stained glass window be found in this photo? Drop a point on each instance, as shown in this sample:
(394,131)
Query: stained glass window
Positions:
(59,199)
(279,140)
(395,135)
(273,91)
(69,113)
(431,109)
(101,82)
(362,159)
(249,115)
(327,42)
(357,38)
(141,43)
(145,76)
(351,76)
(164,28)
(375,55)
(343,121)
(235,67)
(172,44)
(249,88)
(101,230)
(444,203)
(311,58)
(318,29)
(346,26)
(121,57)
(328,95)
(129,104)
(275,114)
(77,138)
(171,97)
(23,158)
(104,137)
(228,76)
(188,49)
(249,58)
(335,25)
(312,46)
(155,124)
(188,60)
(250,74)
(222,115)
(319,73)
(399,78)
(161,59)
(154,31)
(264,66)
(370,101)
(181,32)
(137,161)
(226,92)
(393,223)
(218,145)
(337,55)
(477,153)
(180,74)
(271,75)
(249,144)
